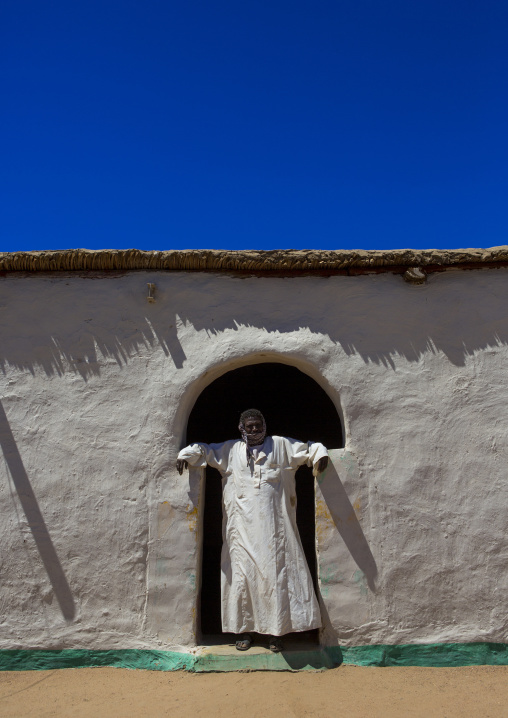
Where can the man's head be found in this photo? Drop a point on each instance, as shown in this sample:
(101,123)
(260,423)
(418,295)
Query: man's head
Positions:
(252,427)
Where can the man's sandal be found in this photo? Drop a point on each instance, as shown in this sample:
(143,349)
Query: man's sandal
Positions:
(275,644)
(244,643)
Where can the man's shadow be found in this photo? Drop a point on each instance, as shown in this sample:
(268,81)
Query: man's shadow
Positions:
(346,522)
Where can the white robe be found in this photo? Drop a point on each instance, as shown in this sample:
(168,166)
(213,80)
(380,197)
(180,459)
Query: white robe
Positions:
(266,585)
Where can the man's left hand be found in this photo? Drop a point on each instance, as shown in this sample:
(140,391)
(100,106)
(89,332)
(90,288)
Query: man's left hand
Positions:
(322,464)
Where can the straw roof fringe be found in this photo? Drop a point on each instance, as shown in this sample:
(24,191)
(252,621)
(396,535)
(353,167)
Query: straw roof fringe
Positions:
(277,260)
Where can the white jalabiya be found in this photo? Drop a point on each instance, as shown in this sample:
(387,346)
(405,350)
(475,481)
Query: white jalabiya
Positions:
(265,581)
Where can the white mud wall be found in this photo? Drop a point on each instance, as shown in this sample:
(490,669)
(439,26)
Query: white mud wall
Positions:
(101,537)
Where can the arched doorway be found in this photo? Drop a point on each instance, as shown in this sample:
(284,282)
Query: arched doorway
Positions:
(294,405)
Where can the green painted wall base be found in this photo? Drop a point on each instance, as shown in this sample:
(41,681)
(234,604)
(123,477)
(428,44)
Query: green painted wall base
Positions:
(436,654)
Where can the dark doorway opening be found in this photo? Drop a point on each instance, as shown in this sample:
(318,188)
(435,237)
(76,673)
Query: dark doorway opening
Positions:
(293,405)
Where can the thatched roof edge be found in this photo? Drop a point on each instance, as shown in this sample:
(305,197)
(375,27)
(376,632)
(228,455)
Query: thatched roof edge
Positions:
(278,260)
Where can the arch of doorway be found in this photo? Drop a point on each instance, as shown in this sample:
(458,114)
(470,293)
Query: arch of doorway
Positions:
(213,370)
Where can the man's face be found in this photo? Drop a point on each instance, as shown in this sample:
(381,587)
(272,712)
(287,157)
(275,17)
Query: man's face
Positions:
(253,425)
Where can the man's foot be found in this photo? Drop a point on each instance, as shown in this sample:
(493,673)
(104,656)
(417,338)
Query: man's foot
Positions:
(244,643)
(275,644)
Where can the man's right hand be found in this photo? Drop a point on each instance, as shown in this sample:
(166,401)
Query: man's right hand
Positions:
(181,464)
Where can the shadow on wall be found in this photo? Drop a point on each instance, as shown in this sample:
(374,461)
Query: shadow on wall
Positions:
(35,519)
(78,322)
(347,524)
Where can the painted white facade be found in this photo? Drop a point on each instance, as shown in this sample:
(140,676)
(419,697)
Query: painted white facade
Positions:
(100,535)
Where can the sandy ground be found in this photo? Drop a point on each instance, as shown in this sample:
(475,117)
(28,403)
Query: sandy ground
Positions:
(352,691)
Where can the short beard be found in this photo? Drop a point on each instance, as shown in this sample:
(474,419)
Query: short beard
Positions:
(252,439)
(256,439)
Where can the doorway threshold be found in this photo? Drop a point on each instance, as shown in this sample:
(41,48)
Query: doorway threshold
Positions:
(219,654)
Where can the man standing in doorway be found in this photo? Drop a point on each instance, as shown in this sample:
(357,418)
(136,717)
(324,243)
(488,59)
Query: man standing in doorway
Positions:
(266,586)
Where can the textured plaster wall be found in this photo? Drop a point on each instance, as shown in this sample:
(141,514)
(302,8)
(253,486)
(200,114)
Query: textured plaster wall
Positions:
(101,537)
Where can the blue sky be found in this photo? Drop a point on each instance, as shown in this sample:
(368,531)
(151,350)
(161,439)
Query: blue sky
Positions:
(254,124)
